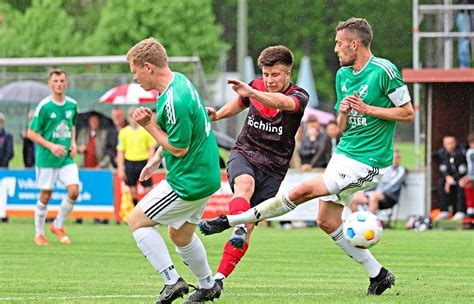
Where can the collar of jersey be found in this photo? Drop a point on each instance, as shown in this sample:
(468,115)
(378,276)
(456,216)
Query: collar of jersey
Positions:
(167,87)
(366,64)
(58,103)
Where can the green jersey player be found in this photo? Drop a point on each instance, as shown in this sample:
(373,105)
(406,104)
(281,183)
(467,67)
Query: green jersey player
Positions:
(53,130)
(371,98)
(183,130)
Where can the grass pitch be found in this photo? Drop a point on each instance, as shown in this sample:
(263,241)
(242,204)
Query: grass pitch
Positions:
(103,265)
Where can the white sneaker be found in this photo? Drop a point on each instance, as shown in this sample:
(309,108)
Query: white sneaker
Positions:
(442,215)
(459,216)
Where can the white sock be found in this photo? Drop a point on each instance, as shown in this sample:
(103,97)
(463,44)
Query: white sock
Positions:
(154,249)
(65,208)
(194,255)
(272,207)
(219,276)
(40,217)
(361,256)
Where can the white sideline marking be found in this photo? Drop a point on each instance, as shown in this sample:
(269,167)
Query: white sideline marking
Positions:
(253,294)
(75,297)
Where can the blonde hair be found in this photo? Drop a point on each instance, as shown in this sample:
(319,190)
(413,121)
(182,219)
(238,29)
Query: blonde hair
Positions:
(148,50)
(358,26)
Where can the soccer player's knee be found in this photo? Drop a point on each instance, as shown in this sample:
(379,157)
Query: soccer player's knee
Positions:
(244,185)
(73,192)
(326,224)
(45,197)
(179,238)
(74,195)
(133,222)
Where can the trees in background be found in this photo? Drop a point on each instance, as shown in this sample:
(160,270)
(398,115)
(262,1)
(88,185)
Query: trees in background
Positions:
(111,27)
(308,28)
(204,27)
(43,29)
(185,28)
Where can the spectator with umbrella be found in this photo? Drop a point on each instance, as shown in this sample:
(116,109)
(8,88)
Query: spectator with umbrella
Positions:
(6,144)
(92,143)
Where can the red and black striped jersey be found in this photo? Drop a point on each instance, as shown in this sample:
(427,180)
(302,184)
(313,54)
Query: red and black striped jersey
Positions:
(267,138)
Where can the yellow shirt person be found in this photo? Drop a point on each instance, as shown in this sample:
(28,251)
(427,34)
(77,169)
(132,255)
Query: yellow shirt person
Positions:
(135,143)
(135,146)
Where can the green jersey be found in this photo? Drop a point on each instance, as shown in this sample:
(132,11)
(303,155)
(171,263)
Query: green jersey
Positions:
(369,139)
(54,122)
(181,113)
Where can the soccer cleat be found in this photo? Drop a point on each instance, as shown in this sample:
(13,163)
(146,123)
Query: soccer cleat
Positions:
(237,239)
(169,293)
(216,225)
(61,234)
(443,215)
(40,240)
(220,282)
(203,295)
(379,285)
(459,216)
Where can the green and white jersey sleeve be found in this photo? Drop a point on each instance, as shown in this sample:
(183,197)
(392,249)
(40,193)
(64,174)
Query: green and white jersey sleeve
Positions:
(369,139)
(54,122)
(183,116)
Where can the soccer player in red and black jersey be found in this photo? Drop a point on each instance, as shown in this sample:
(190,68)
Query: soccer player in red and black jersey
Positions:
(261,156)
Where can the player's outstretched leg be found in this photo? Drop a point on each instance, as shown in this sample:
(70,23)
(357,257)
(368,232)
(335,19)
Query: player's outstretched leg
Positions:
(329,220)
(215,225)
(272,207)
(203,295)
(384,280)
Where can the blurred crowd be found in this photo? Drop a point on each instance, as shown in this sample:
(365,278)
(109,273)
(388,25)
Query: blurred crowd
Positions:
(99,148)
(456,178)
(315,144)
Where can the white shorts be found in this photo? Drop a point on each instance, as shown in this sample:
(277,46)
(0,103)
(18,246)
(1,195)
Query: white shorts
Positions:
(67,175)
(163,206)
(345,176)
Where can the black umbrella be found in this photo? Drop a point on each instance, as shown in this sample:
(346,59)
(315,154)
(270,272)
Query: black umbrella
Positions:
(26,91)
(83,117)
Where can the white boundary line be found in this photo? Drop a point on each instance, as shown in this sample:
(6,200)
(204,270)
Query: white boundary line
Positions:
(38,298)
(64,298)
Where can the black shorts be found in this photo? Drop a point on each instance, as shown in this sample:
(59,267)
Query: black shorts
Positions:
(266,186)
(388,201)
(133,170)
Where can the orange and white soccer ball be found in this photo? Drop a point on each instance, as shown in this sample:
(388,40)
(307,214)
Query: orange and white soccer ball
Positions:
(362,229)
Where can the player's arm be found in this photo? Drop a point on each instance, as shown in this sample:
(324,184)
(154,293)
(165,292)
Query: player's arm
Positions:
(152,165)
(73,147)
(271,99)
(121,164)
(143,116)
(230,109)
(57,150)
(344,109)
(402,113)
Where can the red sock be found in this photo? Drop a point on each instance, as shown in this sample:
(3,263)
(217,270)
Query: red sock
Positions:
(238,205)
(230,258)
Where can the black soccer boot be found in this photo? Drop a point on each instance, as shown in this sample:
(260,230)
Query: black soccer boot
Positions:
(169,293)
(203,295)
(385,279)
(215,225)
